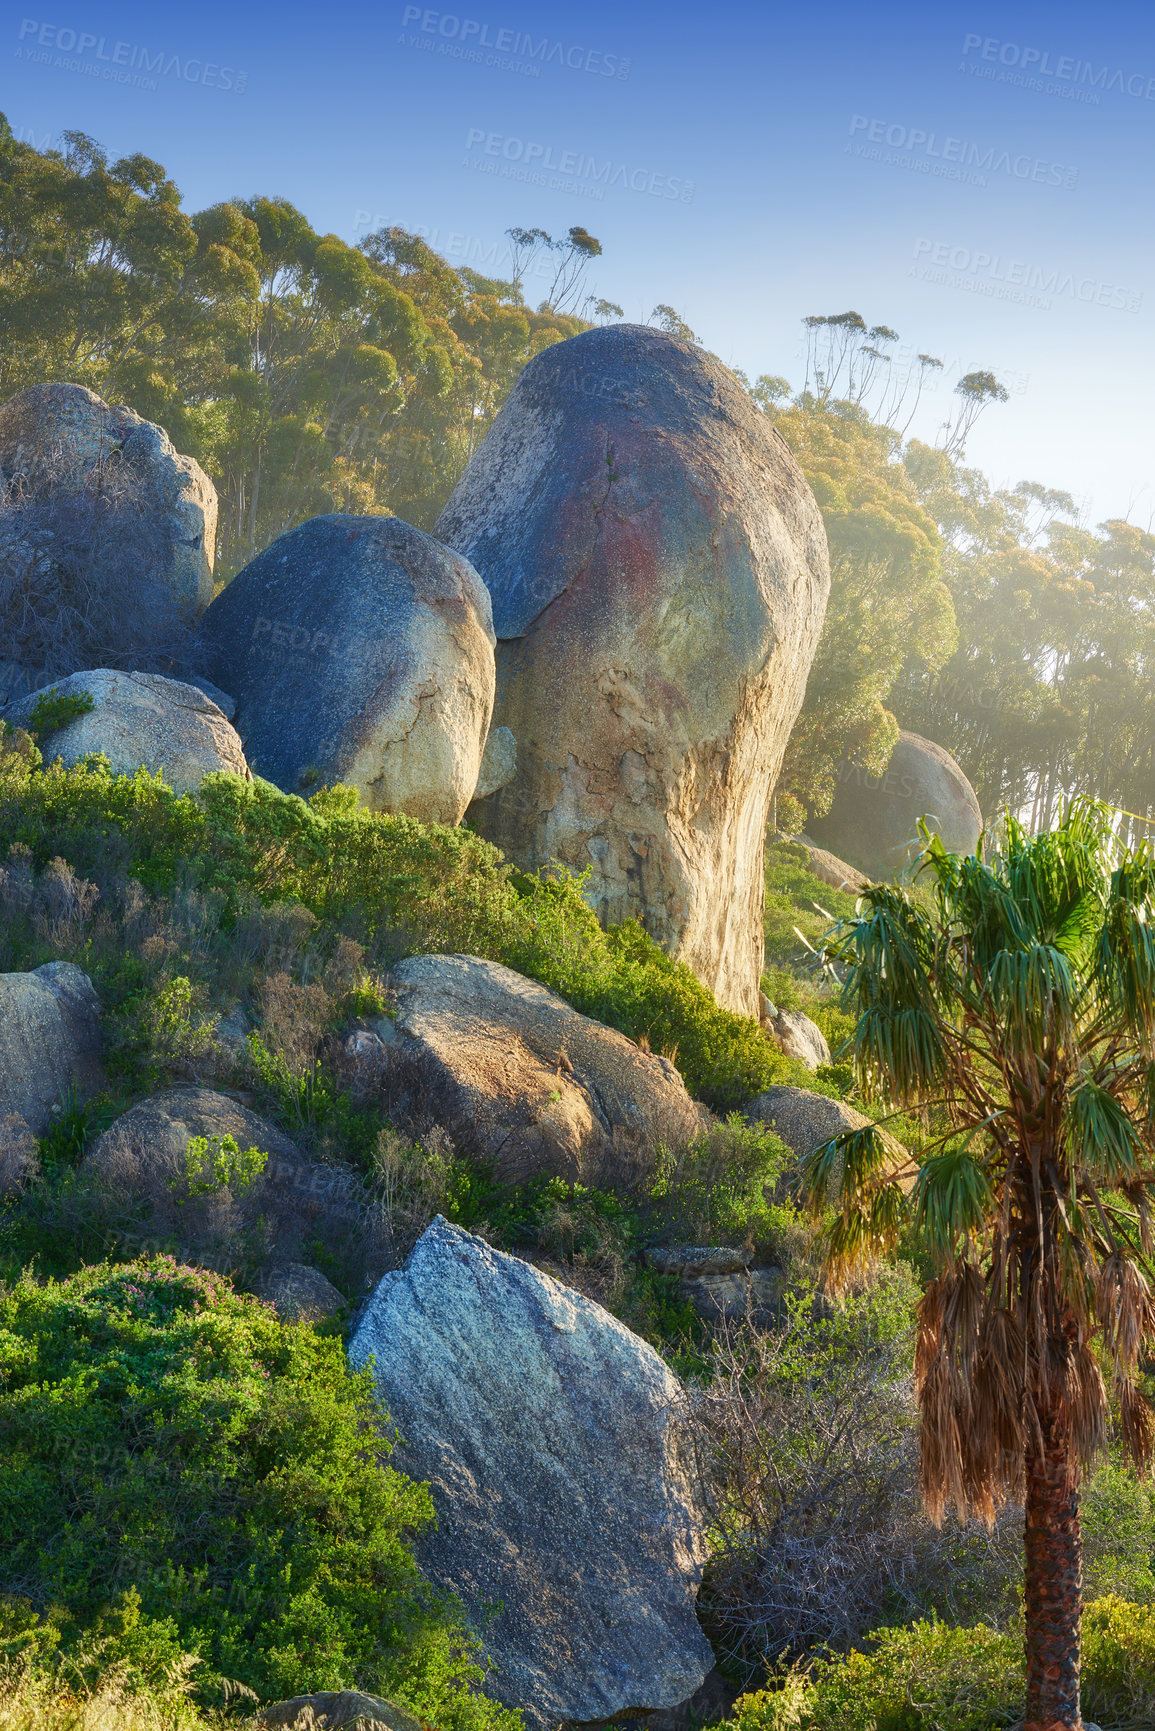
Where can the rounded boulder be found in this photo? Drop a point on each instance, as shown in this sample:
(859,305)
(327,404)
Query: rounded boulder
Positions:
(659,575)
(873,821)
(359,650)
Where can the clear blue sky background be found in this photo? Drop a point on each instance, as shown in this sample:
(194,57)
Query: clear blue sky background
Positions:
(757,116)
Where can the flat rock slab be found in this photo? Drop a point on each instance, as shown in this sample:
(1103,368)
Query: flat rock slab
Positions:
(50,1041)
(521,1079)
(551,1439)
(140,721)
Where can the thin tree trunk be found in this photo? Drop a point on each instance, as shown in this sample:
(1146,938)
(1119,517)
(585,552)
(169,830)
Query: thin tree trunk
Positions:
(1054,1583)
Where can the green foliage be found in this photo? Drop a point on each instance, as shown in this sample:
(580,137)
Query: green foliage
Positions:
(931,1677)
(182,1471)
(54,709)
(215,1163)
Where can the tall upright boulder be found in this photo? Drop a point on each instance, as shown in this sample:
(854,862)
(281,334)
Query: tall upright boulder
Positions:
(659,575)
(552,1438)
(359,650)
(62,439)
(873,821)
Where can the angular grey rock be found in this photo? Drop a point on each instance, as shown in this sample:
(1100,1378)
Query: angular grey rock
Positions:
(873,821)
(49,1041)
(298,1292)
(551,1439)
(58,436)
(294,1201)
(659,574)
(359,650)
(498,763)
(140,720)
(798,1037)
(518,1077)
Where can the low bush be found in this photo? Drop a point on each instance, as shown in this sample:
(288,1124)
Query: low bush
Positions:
(931,1677)
(179,1473)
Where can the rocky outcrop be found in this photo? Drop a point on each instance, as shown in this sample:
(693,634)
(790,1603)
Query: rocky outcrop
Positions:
(795,1035)
(340,1710)
(659,575)
(718,1280)
(359,650)
(298,1292)
(516,1076)
(551,1439)
(63,439)
(50,1042)
(139,720)
(247,1227)
(873,821)
(829,869)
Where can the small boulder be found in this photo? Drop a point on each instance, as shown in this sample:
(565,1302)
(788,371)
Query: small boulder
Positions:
(719,1282)
(551,1438)
(873,821)
(343,1710)
(498,763)
(359,650)
(59,438)
(140,720)
(801,1119)
(515,1075)
(797,1036)
(49,1042)
(298,1292)
(829,869)
(659,574)
(246,1228)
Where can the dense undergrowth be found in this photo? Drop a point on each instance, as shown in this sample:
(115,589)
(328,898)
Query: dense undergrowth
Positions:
(154,1510)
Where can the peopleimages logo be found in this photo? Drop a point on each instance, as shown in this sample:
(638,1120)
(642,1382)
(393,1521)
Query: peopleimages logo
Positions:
(989,274)
(915,141)
(471,35)
(522,159)
(1034,64)
(125,63)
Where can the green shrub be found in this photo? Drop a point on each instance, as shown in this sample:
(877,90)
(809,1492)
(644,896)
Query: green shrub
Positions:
(931,1677)
(54,709)
(162,1437)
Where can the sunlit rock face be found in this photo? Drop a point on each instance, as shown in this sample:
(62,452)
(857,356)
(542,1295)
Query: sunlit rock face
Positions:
(659,576)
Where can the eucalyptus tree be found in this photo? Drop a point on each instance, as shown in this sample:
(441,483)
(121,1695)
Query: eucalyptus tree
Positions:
(1019,1004)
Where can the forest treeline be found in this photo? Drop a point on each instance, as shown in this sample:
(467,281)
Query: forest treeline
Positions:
(310,375)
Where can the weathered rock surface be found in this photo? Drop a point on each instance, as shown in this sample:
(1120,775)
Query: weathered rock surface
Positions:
(517,1076)
(827,867)
(873,821)
(249,1229)
(551,1440)
(717,1279)
(59,437)
(498,763)
(140,720)
(226,704)
(359,650)
(801,1119)
(344,1710)
(796,1035)
(298,1292)
(49,1041)
(659,575)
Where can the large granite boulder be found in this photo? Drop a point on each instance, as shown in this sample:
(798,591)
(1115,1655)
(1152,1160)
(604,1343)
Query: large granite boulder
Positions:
(551,1438)
(50,1042)
(140,720)
(659,575)
(359,650)
(873,821)
(62,439)
(250,1229)
(518,1077)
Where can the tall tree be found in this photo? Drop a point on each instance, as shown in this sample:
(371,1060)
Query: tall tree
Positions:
(1021,1005)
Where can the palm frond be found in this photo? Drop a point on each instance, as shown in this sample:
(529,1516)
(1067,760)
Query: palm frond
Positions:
(842,1172)
(953,1198)
(1100,1135)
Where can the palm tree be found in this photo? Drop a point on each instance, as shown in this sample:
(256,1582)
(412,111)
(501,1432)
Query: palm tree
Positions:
(1018,1000)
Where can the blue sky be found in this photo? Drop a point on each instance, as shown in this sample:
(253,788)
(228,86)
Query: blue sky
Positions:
(977,177)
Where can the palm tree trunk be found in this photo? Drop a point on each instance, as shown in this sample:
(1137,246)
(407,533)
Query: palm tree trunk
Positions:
(1054,1583)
